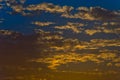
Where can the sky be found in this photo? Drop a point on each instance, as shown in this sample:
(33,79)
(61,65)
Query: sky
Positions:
(59,40)
(109,4)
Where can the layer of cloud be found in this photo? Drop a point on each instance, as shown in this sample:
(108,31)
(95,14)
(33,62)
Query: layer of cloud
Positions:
(60,59)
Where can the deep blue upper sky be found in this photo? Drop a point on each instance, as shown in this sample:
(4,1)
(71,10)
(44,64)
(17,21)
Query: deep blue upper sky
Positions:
(109,4)
(10,21)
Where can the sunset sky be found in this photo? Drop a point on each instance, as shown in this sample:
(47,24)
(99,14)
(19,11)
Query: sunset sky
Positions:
(59,40)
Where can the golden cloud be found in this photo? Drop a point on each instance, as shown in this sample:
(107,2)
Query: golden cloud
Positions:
(49,7)
(94,13)
(75,27)
(42,23)
(60,59)
(92,31)
(107,31)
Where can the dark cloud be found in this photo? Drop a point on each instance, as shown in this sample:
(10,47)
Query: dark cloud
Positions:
(94,13)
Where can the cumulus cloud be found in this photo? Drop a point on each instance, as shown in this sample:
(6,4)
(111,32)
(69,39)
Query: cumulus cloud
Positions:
(49,7)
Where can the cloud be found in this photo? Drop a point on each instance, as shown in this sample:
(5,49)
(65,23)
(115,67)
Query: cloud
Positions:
(116,60)
(38,23)
(75,27)
(22,1)
(107,56)
(107,31)
(85,13)
(117,64)
(17,8)
(110,23)
(56,49)
(1,6)
(1,20)
(10,36)
(105,43)
(94,44)
(68,53)
(14,2)
(62,59)
(109,64)
(1,0)
(7,32)
(94,13)
(49,7)
(111,27)
(47,36)
(92,31)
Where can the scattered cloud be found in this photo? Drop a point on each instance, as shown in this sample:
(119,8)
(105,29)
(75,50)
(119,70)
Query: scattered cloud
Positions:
(55,48)
(75,27)
(49,7)
(85,13)
(94,13)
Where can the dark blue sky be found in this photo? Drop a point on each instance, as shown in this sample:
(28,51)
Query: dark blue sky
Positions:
(109,4)
(10,21)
